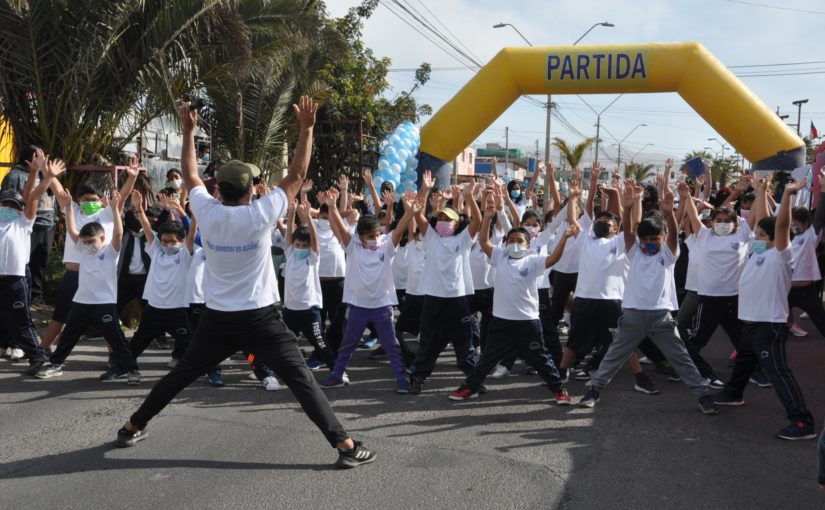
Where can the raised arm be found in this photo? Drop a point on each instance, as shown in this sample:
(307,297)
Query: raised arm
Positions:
(290,221)
(782,231)
(759,208)
(389,215)
(188,159)
(410,202)
(376,200)
(305,111)
(303,211)
(52,170)
(343,189)
(427,183)
(475,213)
(140,212)
(550,175)
(132,171)
(554,257)
(338,228)
(190,236)
(690,208)
(484,235)
(573,206)
(628,204)
(503,223)
(666,206)
(64,199)
(594,184)
(743,184)
(117,230)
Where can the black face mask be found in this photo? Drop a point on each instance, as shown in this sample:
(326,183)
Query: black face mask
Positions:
(601,229)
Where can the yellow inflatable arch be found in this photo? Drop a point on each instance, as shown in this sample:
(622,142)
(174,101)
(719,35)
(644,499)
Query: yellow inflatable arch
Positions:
(687,68)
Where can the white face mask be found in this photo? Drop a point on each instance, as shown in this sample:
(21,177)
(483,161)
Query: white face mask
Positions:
(175,183)
(516,251)
(323,225)
(723,229)
(171,250)
(91,249)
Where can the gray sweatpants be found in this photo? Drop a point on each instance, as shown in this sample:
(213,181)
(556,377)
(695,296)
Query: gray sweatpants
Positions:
(659,326)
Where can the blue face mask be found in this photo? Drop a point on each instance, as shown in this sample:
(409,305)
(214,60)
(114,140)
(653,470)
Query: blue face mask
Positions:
(759,246)
(7,214)
(515,194)
(301,253)
(650,249)
(171,250)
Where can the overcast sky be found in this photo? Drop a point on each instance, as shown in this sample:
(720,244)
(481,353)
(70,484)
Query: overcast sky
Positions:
(738,33)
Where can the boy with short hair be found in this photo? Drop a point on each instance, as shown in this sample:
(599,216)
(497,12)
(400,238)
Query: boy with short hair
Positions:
(17,215)
(649,297)
(96,297)
(165,293)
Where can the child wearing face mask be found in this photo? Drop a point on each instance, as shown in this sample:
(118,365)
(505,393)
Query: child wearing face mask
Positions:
(167,309)
(368,287)
(765,315)
(515,325)
(804,292)
(174,179)
(96,297)
(722,250)
(302,286)
(17,216)
(447,285)
(649,298)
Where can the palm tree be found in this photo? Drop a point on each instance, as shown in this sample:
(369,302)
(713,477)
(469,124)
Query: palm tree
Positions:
(639,172)
(573,155)
(83,77)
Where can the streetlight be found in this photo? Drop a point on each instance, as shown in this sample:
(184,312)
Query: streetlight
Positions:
(599,122)
(549,104)
(714,151)
(798,105)
(721,143)
(638,151)
(619,156)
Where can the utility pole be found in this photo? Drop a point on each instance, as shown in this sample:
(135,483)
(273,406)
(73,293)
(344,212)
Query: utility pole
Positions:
(506,148)
(798,105)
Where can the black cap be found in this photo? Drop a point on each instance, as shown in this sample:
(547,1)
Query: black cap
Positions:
(10,195)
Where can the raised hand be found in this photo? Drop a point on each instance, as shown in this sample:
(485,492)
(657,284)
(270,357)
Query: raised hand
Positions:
(668,164)
(55,167)
(490,208)
(38,161)
(595,172)
(263,189)
(498,199)
(796,185)
(744,183)
(302,210)
(628,195)
(427,181)
(571,231)
(114,202)
(666,201)
(133,169)
(306,187)
(467,191)
(409,201)
(388,197)
(137,202)
(290,209)
(188,117)
(435,201)
(64,199)
(343,182)
(683,189)
(332,197)
(305,111)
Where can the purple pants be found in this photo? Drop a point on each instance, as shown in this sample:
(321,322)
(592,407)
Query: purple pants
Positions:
(357,320)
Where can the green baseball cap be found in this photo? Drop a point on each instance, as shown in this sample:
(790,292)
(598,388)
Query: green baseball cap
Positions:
(238,173)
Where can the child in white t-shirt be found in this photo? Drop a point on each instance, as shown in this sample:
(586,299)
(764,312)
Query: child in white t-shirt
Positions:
(96,297)
(447,285)
(515,325)
(763,285)
(302,286)
(368,287)
(17,215)
(649,298)
(167,309)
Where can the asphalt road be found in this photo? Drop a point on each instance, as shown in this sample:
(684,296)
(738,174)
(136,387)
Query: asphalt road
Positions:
(243,447)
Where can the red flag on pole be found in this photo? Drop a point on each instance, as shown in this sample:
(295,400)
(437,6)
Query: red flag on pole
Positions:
(814,132)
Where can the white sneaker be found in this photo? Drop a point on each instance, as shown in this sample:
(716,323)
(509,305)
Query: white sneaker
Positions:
(271,384)
(644,360)
(17,354)
(173,363)
(500,372)
(252,376)
(804,315)
(345,378)
(795,331)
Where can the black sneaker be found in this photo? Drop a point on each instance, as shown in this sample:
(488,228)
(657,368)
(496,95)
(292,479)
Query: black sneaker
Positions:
(589,399)
(113,373)
(665,368)
(645,385)
(378,353)
(126,438)
(707,405)
(416,385)
(796,431)
(355,457)
(35,367)
(723,399)
(133,378)
(759,378)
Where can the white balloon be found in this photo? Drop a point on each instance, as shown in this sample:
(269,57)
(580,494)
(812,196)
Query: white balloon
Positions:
(403,154)
(395,168)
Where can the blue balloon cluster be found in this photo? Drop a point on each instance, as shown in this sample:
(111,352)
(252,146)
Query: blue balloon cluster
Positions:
(398,162)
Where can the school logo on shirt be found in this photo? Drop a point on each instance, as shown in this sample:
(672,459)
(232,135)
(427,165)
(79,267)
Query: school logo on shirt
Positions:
(661,261)
(380,257)
(800,241)
(734,246)
(760,261)
(613,250)
(101,256)
(523,272)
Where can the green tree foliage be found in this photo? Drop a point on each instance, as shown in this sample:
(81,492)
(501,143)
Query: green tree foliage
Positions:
(573,154)
(639,172)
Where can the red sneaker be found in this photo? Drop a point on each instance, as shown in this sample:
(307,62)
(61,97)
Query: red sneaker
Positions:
(562,397)
(463,393)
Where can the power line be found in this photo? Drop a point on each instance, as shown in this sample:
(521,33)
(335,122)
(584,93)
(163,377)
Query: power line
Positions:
(447,29)
(766,6)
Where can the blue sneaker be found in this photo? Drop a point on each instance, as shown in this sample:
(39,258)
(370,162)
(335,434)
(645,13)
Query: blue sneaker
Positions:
(314,364)
(589,399)
(368,343)
(215,377)
(113,373)
(403,386)
(332,382)
(759,378)
(796,431)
